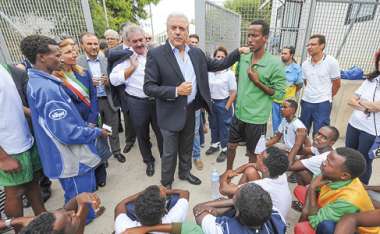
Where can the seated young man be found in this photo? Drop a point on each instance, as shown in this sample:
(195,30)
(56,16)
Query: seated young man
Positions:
(69,220)
(250,211)
(340,192)
(307,167)
(349,223)
(272,165)
(150,208)
(291,130)
(172,228)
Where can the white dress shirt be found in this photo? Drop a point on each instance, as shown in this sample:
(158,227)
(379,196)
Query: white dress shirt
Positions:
(187,70)
(134,84)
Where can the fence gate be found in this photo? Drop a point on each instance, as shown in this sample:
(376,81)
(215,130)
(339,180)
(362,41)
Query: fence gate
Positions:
(351,28)
(216,26)
(287,25)
(48,17)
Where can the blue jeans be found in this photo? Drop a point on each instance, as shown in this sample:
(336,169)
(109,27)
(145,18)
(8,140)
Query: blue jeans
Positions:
(73,186)
(201,133)
(220,121)
(197,140)
(362,142)
(317,114)
(326,227)
(276,116)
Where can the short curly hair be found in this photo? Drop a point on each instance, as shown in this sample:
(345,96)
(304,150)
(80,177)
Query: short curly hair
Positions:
(355,163)
(254,205)
(150,206)
(43,223)
(277,161)
(35,44)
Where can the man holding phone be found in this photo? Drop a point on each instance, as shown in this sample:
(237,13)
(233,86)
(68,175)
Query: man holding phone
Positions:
(97,65)
(261,79)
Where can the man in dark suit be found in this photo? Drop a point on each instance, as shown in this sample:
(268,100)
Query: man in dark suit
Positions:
(177,76)
(97,65)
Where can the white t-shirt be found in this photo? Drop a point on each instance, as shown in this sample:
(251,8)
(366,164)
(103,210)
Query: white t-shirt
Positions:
(15,136)
(177,214)
(369,91)
(279,192)
(289,130)
(313,163)
(221,83)
(319,79)
(210,226)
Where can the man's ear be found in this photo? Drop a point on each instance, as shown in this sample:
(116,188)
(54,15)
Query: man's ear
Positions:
(40,57)
(345,176)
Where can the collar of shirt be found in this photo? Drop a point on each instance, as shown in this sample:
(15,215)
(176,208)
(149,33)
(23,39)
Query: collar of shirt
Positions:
(125,47)
(262,62)
(319,62)
(45,75)
(176,50)
(92,60)
(339,184)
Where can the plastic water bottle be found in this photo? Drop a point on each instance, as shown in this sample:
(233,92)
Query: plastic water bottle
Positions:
(215,184)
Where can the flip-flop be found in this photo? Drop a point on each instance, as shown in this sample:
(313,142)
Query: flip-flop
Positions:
(100,211)
(297,206)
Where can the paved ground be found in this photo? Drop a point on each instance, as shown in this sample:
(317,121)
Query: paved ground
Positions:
(128,178)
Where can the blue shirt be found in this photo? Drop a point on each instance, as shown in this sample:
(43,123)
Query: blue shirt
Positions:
(187,70)
(94,66)
(230,225)
(293,74)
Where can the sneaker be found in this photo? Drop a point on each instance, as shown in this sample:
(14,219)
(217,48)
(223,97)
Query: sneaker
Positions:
(198,164)
(222,156)
(212,150)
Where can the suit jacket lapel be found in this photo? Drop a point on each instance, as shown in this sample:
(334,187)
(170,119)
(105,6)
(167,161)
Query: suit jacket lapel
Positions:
(103,65)
(84,61)
(173,61)
(195,62)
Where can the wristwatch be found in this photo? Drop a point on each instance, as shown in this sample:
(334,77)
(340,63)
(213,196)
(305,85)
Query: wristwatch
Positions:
(8,222)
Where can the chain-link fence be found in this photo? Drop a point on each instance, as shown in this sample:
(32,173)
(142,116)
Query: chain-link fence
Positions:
(220,27)
(47,17)
(351,28)
(250,10)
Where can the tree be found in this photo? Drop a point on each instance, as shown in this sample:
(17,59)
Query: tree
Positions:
(249,10)
(118,12)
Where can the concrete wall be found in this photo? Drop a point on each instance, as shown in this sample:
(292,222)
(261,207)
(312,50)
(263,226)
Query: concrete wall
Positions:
(341,112)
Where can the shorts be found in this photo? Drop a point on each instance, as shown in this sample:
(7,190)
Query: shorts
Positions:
(247,132)
(29,162)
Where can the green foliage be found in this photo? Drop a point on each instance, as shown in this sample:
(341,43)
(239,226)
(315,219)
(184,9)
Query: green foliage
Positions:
(118,12)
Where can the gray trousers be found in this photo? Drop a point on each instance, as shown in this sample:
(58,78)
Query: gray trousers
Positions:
(111,118)
(178,143)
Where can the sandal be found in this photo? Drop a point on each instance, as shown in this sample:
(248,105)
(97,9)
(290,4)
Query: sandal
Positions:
(297,206)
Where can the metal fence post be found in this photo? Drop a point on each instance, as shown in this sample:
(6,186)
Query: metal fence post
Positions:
(309,28)
(200,22)
(87,15)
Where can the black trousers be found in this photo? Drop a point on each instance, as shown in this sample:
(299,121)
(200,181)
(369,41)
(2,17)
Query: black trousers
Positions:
(178,143)
(142,112)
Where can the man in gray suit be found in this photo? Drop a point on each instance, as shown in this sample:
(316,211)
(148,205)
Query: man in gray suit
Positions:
(97,65)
